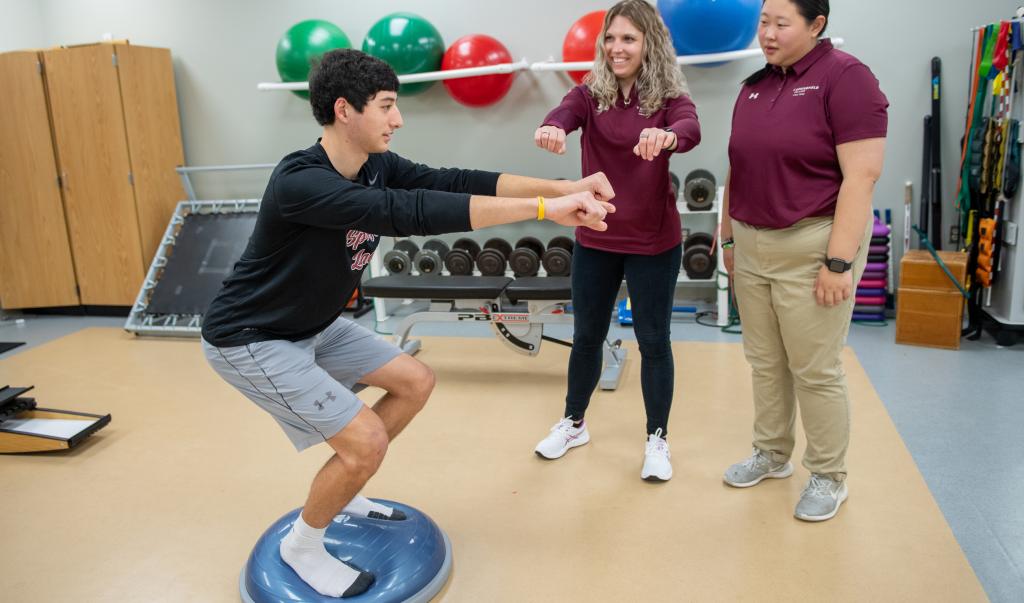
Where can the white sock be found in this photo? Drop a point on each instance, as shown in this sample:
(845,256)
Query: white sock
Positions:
(364,507)
(303,549)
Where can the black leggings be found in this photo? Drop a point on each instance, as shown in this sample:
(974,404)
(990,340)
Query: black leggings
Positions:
(651,281)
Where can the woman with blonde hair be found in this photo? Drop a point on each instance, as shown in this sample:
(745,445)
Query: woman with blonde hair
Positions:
(634,112)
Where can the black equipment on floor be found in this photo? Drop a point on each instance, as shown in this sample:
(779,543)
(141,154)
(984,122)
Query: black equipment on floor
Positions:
(399,259)
(699,260)
(430,259)
(207,248)
(930,217)
(493,258)
(926,174)
(25,427)
(935,186)
(199,249)
(699,190)
(557,258)
(461,257)
(525,258)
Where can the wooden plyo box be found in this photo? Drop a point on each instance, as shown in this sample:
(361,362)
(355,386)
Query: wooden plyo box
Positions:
(929,307)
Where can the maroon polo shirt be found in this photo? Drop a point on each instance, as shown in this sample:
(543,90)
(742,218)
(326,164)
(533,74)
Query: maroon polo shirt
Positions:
(785,128)
(645,221)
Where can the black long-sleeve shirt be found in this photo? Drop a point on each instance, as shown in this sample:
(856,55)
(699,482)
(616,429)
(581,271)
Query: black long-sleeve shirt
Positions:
(316,232)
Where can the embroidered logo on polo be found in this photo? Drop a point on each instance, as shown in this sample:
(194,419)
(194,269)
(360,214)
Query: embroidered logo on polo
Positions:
(753,96)
(803,90)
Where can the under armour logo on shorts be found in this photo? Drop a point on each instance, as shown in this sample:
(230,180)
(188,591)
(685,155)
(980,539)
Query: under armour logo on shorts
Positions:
(320,404)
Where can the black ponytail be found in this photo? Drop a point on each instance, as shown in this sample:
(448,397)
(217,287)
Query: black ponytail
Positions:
(757,76)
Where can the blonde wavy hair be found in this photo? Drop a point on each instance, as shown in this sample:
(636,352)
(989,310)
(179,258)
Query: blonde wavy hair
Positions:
(659,77)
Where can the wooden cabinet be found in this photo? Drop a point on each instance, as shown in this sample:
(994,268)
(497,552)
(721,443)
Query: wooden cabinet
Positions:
(36,269)
(116,139)
(153,129)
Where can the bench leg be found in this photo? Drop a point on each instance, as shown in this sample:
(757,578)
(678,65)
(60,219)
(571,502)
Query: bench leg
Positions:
(614,362)
(411,346)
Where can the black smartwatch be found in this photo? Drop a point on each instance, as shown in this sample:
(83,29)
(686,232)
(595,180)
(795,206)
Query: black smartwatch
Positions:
(838,265)
(669,130)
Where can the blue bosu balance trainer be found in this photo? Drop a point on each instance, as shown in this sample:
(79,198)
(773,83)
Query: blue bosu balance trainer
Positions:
(410,559)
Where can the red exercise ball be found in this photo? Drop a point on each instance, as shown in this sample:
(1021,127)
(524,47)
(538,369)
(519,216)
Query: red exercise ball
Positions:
(581,41)
(477,50)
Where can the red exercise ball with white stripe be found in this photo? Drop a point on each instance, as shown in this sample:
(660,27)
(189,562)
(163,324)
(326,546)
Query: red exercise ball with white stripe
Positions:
(477,50)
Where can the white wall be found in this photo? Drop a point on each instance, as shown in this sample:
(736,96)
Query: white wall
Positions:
(222,49)
(21,25)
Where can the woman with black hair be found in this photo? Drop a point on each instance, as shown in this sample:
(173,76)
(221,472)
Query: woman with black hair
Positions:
(808,138)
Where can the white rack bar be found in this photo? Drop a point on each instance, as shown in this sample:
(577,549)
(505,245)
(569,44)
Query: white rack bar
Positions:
(524,65)
(426,76)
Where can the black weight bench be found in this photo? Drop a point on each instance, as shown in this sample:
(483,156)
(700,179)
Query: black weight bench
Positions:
(497,300)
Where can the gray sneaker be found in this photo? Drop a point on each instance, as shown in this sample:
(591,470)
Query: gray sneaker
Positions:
(751,471)
(820,499)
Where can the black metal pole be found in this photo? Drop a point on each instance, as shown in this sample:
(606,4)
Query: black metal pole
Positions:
(936,164)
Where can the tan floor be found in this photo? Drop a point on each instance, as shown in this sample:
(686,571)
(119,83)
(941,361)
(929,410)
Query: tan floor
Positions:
(165,503)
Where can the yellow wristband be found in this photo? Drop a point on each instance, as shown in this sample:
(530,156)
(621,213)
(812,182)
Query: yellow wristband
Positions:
(540,208)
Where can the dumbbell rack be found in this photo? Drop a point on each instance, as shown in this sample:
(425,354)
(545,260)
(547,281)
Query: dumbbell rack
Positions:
(720,280)
(377,268)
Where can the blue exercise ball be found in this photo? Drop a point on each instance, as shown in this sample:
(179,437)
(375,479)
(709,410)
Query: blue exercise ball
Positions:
(707,26)
(410,559)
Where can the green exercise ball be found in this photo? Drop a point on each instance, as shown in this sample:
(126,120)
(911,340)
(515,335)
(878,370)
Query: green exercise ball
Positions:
(409,43)
(304,43)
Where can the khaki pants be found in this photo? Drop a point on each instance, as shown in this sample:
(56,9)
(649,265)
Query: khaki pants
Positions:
(792,343)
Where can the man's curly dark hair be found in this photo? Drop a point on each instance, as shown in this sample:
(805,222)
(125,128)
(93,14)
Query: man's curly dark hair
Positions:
(350,74)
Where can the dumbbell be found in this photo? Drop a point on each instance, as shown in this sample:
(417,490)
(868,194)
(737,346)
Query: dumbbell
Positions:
(430,259)
(492,258)
(699,256)
(557,259)
(461,257)
(697,238)
(525,258)
(399,259)
(674,185)
(699,190)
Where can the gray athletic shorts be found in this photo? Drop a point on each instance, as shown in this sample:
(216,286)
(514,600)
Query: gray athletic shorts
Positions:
(305,385)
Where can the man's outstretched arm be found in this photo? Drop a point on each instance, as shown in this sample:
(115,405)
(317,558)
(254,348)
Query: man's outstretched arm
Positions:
(575,209)
(320,197)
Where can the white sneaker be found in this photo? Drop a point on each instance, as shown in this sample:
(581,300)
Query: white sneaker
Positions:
(563,436)
(821,498)
(752,471)
(657,467)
